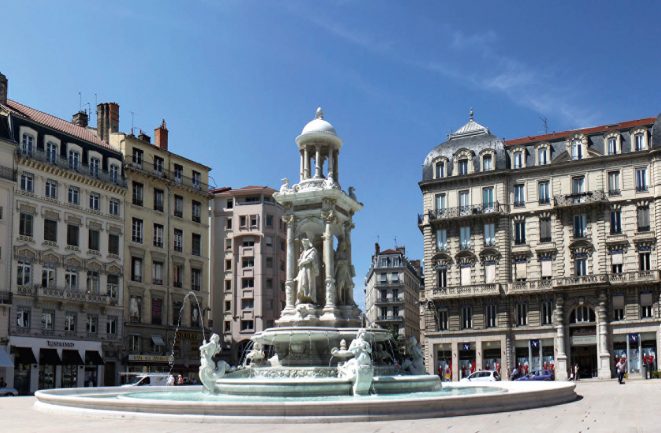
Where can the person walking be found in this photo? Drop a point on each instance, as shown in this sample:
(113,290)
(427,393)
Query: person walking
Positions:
(576,372)
(621,368)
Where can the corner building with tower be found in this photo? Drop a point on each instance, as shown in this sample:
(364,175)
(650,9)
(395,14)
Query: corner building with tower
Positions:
(541,252)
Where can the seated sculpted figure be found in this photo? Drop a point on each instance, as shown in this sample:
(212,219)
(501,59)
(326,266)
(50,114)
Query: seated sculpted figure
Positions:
(361,350)
(209,372)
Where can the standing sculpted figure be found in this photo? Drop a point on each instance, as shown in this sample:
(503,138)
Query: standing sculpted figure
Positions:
(208,371)
(308,270)
(344,273)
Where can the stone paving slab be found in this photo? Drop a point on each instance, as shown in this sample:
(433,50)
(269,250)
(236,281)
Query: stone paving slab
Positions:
(603,406)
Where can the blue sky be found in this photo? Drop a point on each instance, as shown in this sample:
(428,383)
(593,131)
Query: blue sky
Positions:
(237,80)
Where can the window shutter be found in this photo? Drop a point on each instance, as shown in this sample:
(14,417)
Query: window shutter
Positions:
(616,258)
(490,273)
(547,268)
(466,276)
(618,302)
(645,299)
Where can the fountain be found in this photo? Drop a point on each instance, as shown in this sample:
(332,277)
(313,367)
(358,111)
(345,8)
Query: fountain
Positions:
(319,363)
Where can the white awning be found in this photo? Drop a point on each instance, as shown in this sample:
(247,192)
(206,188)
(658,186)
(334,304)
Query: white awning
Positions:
(5,360)
(158,340)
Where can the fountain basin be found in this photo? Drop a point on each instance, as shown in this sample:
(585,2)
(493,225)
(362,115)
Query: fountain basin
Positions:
(453,400)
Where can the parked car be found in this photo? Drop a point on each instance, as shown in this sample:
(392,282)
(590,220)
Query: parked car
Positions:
(8,392)
(546,375)
(482,376)
(147,379)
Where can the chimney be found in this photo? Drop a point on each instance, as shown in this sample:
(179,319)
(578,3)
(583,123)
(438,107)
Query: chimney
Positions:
(377,248)
(107,119)
(144,137)
(161,136)
(3,89)
(80,119)
(401,250)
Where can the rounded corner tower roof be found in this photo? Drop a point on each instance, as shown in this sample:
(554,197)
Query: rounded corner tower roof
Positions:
(319,129)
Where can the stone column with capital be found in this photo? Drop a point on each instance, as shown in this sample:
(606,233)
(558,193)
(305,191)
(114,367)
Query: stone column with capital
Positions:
(561,359)
(604,369)
(331,164)
(317,163)
(329,257)
(302,165)
(306,164)
(290,284)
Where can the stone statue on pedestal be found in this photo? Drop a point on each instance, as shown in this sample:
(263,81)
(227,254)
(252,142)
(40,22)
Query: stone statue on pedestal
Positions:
(209,371)
(344,273)
(308,270)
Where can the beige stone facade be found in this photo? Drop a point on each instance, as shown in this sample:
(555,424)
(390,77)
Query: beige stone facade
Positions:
(167,254)
(248,244)
(392,290)
(541,252)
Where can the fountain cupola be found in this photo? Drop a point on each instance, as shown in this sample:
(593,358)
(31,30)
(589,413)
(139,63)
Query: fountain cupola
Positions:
(319,143)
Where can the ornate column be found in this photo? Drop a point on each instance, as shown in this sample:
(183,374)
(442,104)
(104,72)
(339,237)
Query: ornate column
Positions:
(604,371)
(348,226)
(561,358)
(317,163)
(331,164)
(329,258)
(290,284)
(302,165)
(336,169)
(306,163)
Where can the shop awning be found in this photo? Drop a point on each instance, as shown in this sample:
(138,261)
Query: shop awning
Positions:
(71,357)
(5,360)
(93,357)
(23,355)
(157,340)
(49,356)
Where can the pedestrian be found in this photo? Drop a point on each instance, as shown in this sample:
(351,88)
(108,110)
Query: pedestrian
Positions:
(180,380)
(620,371)
(576,372)
(170,381)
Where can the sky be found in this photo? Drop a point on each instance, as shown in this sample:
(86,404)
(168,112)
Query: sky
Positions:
(237,80)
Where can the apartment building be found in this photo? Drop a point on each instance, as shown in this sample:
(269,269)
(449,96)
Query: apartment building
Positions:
(166,248)
(392,291)
(541,252)
(249,264)
(66,254)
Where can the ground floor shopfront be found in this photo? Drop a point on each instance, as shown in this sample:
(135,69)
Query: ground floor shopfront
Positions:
(42,363)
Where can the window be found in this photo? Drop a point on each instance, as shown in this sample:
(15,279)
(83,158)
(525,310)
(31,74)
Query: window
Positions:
(113,244)
(23,317)
(27,144)
(158,200)
(641,179)
(520,232)
(48,276)
(228,285)
(92,323)
(178,173)
(158,235)
(614,183)
(487,162)
(612,146)
(135,343)
(464,201)
(490,234)
(578,185)
(27,182)
(490,272)
(178,240)
(72,235)
(581,266)
(112,286)
(639,142)
(644,261)
(114,173)
(519,195)
(576,149)
(618,307)
(521,314)
(138,191)
(74,195)
(439,170)
(94,201)
(490,313)
(547,312)
(247,325)
(111,325)
(269,262)
(51,152)
(465,237)
(518,159)
(440,202)
(178,206)
(70,321)
(645,305)
(247,304)
(441,239)
(228,223)
(50,230)
(269,220)
(228,244)
(580,226)
(137,230)
(178,275)
(71,279)
(616,261)
(616,221)
(196,248)
(487,198)
(463,167)
(545,229)
(243,221)
(442,278)
(156,309)
(74,160)
(197,212)
(197,179)
(138,156)
(542,156)
(643,218)
(249,262)
(253,221)
(25,225)
(230,203)
(442,320)
(24,273)
(196,279)
(520,269)
(268,241)
(158,165)
(136,269)
(113,207)
(93,282)
(51,189)
(94,165)
(247,283)
(544,192)
(94,240)
(465,277)
(466,317)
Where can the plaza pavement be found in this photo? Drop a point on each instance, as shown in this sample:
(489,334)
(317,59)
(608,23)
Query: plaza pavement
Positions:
(603,406)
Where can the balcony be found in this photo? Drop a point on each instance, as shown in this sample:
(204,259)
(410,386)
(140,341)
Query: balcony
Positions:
(493,289)
(634,277)
(69,335)
(390,319)
(470,211)
(529,286)
(581,280)
(75,295)
(580,199)
(389,300)
(158,172)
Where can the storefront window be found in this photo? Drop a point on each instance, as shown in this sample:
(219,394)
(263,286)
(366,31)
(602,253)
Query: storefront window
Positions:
(444,365)
(466,360)
(69,376)
(491,359)
(46,376)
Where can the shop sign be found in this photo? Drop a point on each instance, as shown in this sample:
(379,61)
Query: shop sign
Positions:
(60,343)
(583,340)
(148,358)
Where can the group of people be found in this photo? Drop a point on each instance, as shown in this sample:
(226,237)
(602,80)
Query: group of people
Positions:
(178,380)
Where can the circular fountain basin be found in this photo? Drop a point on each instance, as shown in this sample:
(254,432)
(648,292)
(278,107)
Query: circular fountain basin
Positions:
(191,404)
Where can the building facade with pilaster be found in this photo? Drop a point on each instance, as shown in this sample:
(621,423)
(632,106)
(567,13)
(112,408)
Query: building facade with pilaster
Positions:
(541,252)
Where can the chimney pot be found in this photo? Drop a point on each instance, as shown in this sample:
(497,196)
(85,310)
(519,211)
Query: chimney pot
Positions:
(144,137)
(81,119)
(161,136)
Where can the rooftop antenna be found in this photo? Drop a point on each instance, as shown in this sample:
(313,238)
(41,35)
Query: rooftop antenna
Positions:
(545,121)
(80,101)
(395,241)
(132,113)
(96,105)
(89,108)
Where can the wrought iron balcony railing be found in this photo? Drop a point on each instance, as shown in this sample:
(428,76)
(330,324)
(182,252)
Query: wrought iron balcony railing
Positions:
(580,198)
(468,290)
(467,211)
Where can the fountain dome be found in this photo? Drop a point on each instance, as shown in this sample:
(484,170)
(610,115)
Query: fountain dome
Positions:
(318,129)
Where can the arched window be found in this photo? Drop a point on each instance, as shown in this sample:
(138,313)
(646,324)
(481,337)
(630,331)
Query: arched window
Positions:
(582,314)
(576,149)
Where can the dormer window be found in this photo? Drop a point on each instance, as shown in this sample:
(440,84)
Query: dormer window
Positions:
(518,159)
(487,162)
(639,139)
(612,146)
(27,144)
(439,169)
(576,150)
(74,160)
(463,167)
(137,157)
(114,173)
(95,163)
(542,156)
(51,152)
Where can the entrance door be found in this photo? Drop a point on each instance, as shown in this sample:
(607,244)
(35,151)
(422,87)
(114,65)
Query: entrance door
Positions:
(586,358)
(109,374)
